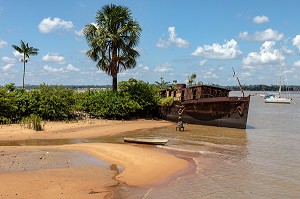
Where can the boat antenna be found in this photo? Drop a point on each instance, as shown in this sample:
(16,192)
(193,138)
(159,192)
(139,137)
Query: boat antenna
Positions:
(234,75)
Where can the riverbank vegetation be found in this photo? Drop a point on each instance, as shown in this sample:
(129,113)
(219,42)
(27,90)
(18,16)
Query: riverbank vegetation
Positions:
(134,98)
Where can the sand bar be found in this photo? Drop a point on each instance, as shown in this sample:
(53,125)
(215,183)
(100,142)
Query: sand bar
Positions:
(143,166)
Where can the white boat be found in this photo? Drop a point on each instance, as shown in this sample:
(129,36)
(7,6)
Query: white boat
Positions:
(278,98)
(155,141)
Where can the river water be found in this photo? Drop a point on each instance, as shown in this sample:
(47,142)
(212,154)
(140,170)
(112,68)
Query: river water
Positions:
(262,161)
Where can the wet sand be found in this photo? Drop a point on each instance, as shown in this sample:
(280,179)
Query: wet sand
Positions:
(76,171)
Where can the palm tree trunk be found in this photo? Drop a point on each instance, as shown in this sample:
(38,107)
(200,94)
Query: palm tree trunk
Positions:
(115,83)
(24,71)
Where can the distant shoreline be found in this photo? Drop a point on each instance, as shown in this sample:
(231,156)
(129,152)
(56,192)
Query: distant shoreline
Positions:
(258,87)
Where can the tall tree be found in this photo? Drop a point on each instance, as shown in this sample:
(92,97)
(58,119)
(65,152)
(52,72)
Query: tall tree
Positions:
(112,40)
(191,79)
(27,52)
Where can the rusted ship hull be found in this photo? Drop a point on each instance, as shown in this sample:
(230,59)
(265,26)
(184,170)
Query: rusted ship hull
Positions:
(221,111)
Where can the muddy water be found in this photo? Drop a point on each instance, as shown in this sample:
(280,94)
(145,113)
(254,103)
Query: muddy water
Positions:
(259,162)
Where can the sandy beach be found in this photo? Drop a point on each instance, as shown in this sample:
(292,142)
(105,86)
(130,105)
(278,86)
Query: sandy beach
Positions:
(87,170)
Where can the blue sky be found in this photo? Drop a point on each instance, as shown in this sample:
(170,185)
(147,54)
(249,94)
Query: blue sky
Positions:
(178,38)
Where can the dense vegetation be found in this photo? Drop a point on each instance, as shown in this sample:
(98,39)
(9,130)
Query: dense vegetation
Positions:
(134,99)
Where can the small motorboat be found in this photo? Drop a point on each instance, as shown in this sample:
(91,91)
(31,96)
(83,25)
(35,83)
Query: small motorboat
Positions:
(154,141)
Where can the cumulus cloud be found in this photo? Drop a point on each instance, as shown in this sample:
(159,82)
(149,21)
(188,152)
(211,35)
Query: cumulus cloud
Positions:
(297,63)
(51,69)
(17,54)
(3,43)
(260,19)
(48,25)
(244,35)
(267,55)
(246,74)
(7,67)
(70,67)
(229,50)
(79,33)
(266,35)
(296,42)
(53,57)
(163,68)
(173,40)
(202,62)
(8,60)
(144,67)
(210,74)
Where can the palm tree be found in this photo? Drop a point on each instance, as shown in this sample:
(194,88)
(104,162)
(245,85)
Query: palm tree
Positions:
(112,40)
(162,84)
(27,52)
(191,79)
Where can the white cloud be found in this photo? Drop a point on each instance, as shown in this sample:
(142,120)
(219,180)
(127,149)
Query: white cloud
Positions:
(7,67)
(202,62)
(144,67)
(8,60)
(70,67)
(3,43)
(296,42)
(268,34)
(267,55)
(79,33)
(297,63)
(53,57)
(163,68)
(172,40)
(285,49)
(17,54)
(260,19)
(48,25)
(51,69)
(244,35)
(210,74)
(229,50)
(246,74)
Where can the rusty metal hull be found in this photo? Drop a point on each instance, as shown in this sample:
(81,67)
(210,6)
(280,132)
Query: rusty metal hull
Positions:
(219,111)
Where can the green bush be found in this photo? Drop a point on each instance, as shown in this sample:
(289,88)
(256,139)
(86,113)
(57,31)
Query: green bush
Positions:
(145,94)
(107,104)
(52,102)
(33,122)
(8,104)
(167,101)
(4,120)
(135,98)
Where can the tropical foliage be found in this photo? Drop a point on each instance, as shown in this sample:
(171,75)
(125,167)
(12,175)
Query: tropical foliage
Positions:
(145,94)
(107,104)
(162,84)
(166,101)
(136,98)
(112,40)
(26,51)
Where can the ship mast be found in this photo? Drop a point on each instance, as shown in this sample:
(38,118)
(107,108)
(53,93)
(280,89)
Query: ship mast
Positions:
(241,89)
